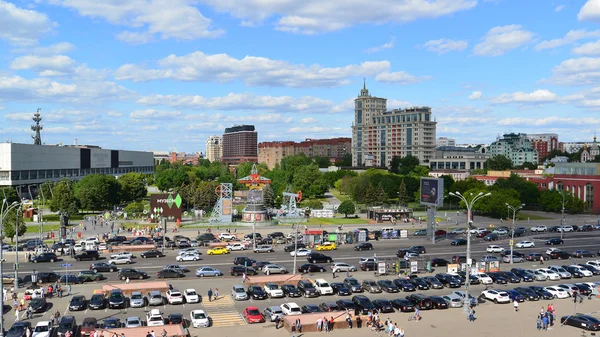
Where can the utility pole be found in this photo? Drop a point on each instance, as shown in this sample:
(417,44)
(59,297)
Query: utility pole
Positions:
(295,246)
(512,235)
(17,246)
(563,220)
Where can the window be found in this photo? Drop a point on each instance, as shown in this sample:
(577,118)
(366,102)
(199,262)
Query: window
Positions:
(4,175)
(589,196)
(359,116)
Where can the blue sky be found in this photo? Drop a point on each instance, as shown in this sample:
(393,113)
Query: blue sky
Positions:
(165,74)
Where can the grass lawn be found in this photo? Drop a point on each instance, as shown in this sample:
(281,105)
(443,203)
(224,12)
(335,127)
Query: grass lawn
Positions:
(525,216)
(338,195)
(337,221)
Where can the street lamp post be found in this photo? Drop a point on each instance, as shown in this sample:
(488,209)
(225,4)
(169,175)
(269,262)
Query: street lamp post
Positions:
(469,205)
(562,222)
(3,212)
(512,235)
(295,227)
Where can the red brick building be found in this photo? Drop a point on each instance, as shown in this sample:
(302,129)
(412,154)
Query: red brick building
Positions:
(271,153)
(544,143)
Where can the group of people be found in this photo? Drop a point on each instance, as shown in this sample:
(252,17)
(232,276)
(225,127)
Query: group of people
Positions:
(324,324)
(391,328)
(213,295)
(58,289)
(546,317)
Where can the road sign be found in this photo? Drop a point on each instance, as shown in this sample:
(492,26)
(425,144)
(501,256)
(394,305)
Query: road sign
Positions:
(511,242)
(66,265)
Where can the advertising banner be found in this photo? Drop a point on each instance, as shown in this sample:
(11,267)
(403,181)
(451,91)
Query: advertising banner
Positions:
(165,205)
(432,191)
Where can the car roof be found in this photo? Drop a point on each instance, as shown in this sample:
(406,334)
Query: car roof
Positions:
(46,323)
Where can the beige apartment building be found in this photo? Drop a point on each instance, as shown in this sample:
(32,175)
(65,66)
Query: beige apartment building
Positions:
(271,153)
(214,148)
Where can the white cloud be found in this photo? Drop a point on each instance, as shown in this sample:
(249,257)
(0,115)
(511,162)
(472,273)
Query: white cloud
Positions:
(546,121)
(502,39)
(22,26)
(252,70)
(382,47)
(308,120)
(166,19)
(114,114)
(316,16)
(570,37)
(475,95)
(536,97)
(442,46)
(56,65)
(559,8)
(578,71)
(53,49)
(588,49)
(154,114)
(590,11)
(400,77)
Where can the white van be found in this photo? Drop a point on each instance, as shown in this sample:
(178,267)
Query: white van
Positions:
(323,287)
(89,245)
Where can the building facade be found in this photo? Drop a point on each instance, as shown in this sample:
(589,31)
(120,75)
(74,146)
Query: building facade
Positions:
(570,147)
(271,153)
(516,147)
(458,158)
(443,141)
(590,152)
(455,174)
(214,148)
(24,165)
(379,135)
(544,143)
(240,144)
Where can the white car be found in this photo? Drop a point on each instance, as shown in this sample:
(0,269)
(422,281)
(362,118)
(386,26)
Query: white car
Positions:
(550,275)
(291,308)
(301,252)
(501,231)
(189,251)
(122,255)
(92,239)
(102,246)
(174,296)
(565,229)
(120,260)
(557,292)
(273,290)
(569,288)
(537,275)
(582,270)
(43,329)
(525,244)
(236,246)
(323,287)
(484,278)
(498,296)
(227,236)
(187,257)
(539,229)
(562,272)
(594,263)
(342,266)
(191,296)
(199,319)
(133,322)
(494,249)
(78,247)
(154,318)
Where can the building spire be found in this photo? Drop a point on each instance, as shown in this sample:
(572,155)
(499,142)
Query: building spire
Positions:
(364,83)
(37,118)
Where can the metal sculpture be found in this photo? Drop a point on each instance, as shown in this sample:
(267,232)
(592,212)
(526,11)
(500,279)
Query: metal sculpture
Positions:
(222,212)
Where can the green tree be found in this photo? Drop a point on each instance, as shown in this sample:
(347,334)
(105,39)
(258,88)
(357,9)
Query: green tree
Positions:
(322,162)
(470,183)
(494,205)
(346,160)
(527,166)
(448,183)
(172,178)
(268,196)
(63,198)
(134,207)
(45,194)
(403,196)
(380,195)
(420,171)
(370,196)
(308,179)
(314,204)
(346,207)
(395,164)
(9,224)
(132,187)
(10,194)
(498,163)
(407,164)
(528,191)
(97,192)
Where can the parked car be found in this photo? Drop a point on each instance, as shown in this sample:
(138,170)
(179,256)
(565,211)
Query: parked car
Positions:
(318,258)
(208,271)
(554,241)
(253,315)
(582,321)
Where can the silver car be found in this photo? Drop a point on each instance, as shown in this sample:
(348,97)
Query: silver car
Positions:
(133,322)
(264,249)
(155,298)
(137,300)
(274,269)
(454,300)
(239,293)
(271,313)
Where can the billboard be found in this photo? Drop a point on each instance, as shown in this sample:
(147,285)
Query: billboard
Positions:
(432,191)
(165,204)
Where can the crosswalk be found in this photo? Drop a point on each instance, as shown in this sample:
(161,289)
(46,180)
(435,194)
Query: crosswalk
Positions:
(223,312)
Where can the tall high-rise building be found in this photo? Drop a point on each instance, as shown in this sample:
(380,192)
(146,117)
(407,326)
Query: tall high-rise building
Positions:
(240,144)
(214,148)
(379,135)
(544,143)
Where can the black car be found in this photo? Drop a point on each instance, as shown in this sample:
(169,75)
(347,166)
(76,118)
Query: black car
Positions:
(510,276)
(291,248)
(533,257)
(542,293)
(241,270)
(438,302)
(402,252)
(559,255)
(18,329)
(417,249)
(310,308)
(311,268)
(257,293)
(38,304)
(363,246)
(353,284)
(346,304)
(151,253)
(404,284)
(448,280)
(90,255)
(583,253)
(131,273)
(388,286)
(97,302)
(419,283)
(554,241)
(594,270)
(43,277)
(463,278)
(70,278)
(116,299)
(403,305)
(45,257)
(437,262)
(116,240)
(363,303)
(497,278)
(584,289)
(458,242)
(575,273)
(383,306)
(77,303)
(515,296)
(206,237)
(368,266)
(420,301)
(169,273)
(581,321)
(276,235)
(433,282)
(318,258)
(307,289)
(340,288)
(491,237)
(102,267)
(290,290)
(528,293)
(67,323)
(523,274)
(175,318)
(260,264)
(243,261)
(329,306)
(520,231)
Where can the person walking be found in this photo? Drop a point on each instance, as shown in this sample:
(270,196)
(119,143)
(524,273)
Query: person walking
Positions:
(325,324)
(69,290)
(164,333)
(277,319)
(331,322)
(545,322)
(319,324)
(349,320)
(210,293)
(550,318)
(471,316)
(358,322)
(17,314)
(516,305)
(538,323)
(216,293)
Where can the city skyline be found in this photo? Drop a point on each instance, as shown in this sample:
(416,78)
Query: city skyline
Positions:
(158,75)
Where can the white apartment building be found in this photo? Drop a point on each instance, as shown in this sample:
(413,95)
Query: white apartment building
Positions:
(214,148)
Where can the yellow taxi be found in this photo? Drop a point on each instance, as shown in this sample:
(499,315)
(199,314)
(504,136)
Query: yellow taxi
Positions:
(217,251)
(327,246)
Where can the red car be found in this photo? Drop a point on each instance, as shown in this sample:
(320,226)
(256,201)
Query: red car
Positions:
(440,232)
(253,315)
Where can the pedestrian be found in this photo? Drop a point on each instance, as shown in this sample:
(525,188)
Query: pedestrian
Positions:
(164,333)
(358,322)
(127,280)
(538,323)
(320,324)
(5,294)
(69,290)
(396,330)
(216,293)
(347,272)
(516,305)
(298,325)
(401,332)
(17,314)
(550,318)
(349,320)
(545,322)
(243,277)
(471,316)
(152,333)
(122,334)
(325,324)
(331,321)
(277,322)
(333,273)
(541,260)
(210,293)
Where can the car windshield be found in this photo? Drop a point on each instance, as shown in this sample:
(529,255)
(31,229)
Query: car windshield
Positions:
(295,309)
(254,288)
(199,315)
(133,321)
(155,318)
(253,312)
(353,282)
(176,294)
(16,328)
(191,293)
(238,290)
(41,328)
(65,325)
(272,286)
(136,296)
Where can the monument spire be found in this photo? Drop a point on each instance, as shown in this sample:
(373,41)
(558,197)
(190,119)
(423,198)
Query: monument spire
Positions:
(37,118)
